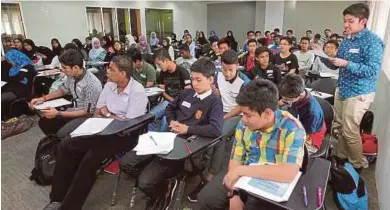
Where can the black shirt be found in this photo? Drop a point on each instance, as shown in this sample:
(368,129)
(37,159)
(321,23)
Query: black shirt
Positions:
(270,73)
(176,81)
(286,64)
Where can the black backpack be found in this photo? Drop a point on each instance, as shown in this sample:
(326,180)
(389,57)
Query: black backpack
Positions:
(45,160)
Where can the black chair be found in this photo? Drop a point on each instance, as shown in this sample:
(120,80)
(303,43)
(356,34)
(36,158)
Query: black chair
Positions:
(329,116)
(327,85)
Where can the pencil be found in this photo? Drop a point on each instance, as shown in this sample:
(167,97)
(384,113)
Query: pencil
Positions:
(187,146)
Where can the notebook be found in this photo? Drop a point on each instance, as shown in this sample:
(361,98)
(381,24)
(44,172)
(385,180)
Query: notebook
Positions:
(3,83)
(91,126)
(153,90)
(155,143)
(272,190)
(53,103)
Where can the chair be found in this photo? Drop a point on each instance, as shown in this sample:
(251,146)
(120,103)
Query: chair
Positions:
(326,85)
(329,116)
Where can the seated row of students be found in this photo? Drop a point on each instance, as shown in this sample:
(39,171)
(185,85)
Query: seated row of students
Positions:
(78,158)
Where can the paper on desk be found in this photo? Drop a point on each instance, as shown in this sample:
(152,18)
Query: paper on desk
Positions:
(319,53)
(91,126)
(153,90)
(53,103)
(49,72)
(3,83)
(319,94)
(165,143)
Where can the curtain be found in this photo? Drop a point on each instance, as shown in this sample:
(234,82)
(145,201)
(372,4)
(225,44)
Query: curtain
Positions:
(377,21)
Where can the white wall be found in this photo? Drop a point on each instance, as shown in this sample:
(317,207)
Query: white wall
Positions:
(260,16)
(274,11)
(67,20)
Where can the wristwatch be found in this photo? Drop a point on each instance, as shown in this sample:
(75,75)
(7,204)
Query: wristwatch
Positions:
(108,115)
(59,114)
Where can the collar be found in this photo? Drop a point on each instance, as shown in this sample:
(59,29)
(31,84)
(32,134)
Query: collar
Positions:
(203,95)
(303,102)
(127,88)
(79,78)
(358,35)
(234,78)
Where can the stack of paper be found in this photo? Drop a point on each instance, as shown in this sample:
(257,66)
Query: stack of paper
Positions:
(155,143)
(91,126)
(319,53)
(53,103)
(276,191)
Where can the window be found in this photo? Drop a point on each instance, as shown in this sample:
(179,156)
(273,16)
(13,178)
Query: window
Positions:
(95,24)
(11,24)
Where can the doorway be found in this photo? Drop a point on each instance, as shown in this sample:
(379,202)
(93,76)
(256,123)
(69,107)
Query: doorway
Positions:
(159,21)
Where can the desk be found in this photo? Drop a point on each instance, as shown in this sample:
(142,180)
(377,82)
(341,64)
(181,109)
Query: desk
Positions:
(317,175)
(319,94)
(93,63)
(48,73)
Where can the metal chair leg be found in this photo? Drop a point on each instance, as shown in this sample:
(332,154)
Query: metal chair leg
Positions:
(133,195)
(113,197)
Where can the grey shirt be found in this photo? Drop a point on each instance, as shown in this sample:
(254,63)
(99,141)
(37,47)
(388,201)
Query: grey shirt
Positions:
(85,92)
(128,104)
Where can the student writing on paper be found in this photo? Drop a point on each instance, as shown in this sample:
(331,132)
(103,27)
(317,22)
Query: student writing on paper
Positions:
(195,111)
(144,72)
(306,108)
(78,158)
(265,134)
(81,84)
(228,84)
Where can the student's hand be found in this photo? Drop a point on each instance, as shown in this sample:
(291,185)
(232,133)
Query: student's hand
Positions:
(50,113)
(179,128)
(338,62)
(162,86)
(172,123)
(36,101)
(236,203)
(230,179)
(281,103)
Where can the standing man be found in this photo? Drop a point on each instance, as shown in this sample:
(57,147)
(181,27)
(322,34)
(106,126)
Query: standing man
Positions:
(359,58)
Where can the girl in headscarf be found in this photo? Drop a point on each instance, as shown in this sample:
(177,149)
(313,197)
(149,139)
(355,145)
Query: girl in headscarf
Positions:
(213,35)
(202,39)
(46,55)
(130,42)
(56,47)
(97,53)
(153,40)
(80,47)
(233,42)
(30,49)
(143,45)
(166,45)
(108,46)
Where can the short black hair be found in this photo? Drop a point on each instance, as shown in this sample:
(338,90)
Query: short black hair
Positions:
(124,63)
(262,41)
(259,95)
(277,30)
(78,43)
(252,40)
(137,55)
(335,42)
(266,32)
(287,39)
(69,46)
(327,30)
(260,50)
(258,32)
(359,10)
(72,58)
(291,86)
(289,31)
(309,31)
(162,55)
(229,57)
(334,35)
(224,41)
(305,38)
(213,39)
(249,32)
(318,36)
(184,47)
(204,66)
(188,34)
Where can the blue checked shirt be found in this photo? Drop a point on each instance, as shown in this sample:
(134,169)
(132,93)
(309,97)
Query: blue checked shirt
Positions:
(364,53)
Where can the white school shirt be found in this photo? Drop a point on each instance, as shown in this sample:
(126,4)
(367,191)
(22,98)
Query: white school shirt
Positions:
(229,91)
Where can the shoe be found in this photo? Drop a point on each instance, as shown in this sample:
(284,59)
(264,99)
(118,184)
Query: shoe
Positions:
(168,197)
(192,197)
(52,206)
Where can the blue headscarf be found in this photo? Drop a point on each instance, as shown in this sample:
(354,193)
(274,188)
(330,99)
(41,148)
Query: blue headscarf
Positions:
(19,60)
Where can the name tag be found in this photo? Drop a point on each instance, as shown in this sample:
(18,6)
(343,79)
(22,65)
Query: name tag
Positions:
(354,50)
(288,62)
(270,71)
(186,104)
(187,81)
(143,75)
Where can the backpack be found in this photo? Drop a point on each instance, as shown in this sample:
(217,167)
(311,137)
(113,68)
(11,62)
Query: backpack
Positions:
(45,160)
(349,190)
(15,126)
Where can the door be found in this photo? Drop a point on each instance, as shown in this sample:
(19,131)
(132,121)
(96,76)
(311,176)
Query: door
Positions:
(159,21)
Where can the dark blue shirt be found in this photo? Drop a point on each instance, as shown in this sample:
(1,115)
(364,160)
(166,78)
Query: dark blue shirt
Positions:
(364,53)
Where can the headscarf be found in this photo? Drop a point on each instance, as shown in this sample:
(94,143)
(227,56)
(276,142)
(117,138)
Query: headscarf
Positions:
(129,41)
(168,43)
(214,35)
(97,53)
(153,41)
(19,60)
(48,53)
(57,51)
(32,53)
(78,43)
(202,40)
(108,41)
(230,38)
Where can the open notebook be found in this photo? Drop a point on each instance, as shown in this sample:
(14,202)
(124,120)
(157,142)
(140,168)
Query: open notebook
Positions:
(155,143)
(91,126)
(272,190)
(53,103)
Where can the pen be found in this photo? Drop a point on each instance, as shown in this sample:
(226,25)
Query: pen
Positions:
(304,195)
(319,196)
(151,137)
(187,147)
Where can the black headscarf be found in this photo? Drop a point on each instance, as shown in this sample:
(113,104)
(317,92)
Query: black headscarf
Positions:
(108,41)
(78,43)
(57,51)
(202,40)
(48,53)
(32,53)
(168,43)
(230,38)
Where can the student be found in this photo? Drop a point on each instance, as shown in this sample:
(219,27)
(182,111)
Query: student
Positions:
(213,35)
(249,35)
(118,49)
(144,72)
(232,40)
(269,38)
(174,41)
(213,54)
(80,47)
(327,34)
(18,44)
(277,32)
(264,131)
(167,46)
(79,158)
(154,41)
(305,108)
(359,58)
(275,47)
(285,61)
(309,34)
(88,44)
(97,53)
(223,45)
(195,111)
(186,60)
(202,39)
(290,34)
(143,45)
(262,42)
(81,84)
(258,35)
(190,44)
(173,79)
(323,65)
(264,68)
(248,59)
(56,47)
(304,56)
(316,43)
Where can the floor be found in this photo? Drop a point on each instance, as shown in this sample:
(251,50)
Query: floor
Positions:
(19,193)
